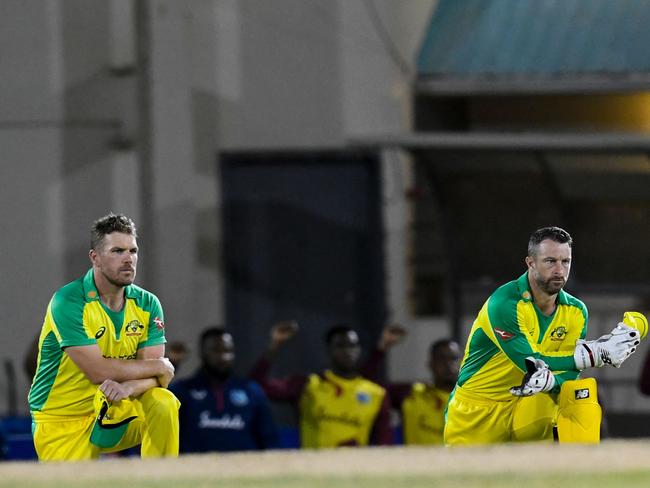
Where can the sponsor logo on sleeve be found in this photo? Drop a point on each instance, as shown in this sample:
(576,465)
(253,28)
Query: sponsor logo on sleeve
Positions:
(100,332)
(159,323)
(503,334)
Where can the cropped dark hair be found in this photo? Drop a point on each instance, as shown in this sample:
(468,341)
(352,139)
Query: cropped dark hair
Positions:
(335,330)
(214,331)
(553,233)
(107,225)
(439,344)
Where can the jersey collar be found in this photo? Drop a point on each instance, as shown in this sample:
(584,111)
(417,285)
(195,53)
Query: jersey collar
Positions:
(527,296)
(91,293)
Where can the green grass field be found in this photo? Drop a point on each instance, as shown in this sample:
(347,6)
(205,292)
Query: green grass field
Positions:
(611,464)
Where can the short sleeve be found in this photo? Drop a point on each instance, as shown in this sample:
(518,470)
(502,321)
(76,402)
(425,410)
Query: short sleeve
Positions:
(156,326)
(66,311)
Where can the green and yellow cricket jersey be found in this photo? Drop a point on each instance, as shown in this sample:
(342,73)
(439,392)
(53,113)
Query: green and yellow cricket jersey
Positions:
(337,411)
(423,414)
(76,317)
(509,328)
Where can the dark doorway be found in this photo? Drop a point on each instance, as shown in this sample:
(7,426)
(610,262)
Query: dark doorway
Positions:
(302,240)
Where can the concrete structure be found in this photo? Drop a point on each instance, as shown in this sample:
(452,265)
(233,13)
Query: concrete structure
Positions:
(224,74)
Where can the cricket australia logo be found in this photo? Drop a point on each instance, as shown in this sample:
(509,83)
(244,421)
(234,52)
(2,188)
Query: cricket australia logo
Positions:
(134,328)
(559,333)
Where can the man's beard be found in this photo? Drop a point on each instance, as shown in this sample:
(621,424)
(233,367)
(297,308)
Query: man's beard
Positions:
(118,282)
(549,287)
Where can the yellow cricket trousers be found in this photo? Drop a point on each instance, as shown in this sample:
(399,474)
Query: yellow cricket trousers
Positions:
(156,428)
(475,420)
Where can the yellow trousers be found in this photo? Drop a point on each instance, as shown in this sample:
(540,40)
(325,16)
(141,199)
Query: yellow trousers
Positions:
(156,429)
(475,420)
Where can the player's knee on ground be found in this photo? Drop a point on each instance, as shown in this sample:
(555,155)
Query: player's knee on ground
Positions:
(579,412)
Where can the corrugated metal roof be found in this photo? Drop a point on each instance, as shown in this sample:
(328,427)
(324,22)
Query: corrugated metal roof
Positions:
(537,40)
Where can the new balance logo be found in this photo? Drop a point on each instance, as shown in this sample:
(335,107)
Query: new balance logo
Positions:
(604,355)
(505,335)
(582,394)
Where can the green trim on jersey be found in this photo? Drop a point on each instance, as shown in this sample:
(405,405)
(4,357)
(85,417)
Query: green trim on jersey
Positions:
(508,329)
(67,312)
(76,317)
(504,309)
(143,300)
(484,351)
(116,317)
(562,377)
(148,301)
(46,372)
(544,321)
(574,302)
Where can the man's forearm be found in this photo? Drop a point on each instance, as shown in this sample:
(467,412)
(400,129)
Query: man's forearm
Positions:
(138,387)
(122,370)
(98,369)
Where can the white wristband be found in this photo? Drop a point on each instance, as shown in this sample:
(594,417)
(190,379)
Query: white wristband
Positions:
(583,357)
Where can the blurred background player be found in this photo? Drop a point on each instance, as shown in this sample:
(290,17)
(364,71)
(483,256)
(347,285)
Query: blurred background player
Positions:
(177,353)
(422,405)
(530,333)
(219,411)
(337,407)
(103,330)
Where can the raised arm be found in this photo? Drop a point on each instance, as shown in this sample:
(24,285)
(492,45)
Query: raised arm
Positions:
(286,389)
(391,335)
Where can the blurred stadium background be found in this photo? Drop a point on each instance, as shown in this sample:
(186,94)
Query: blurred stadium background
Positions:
(351,160)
